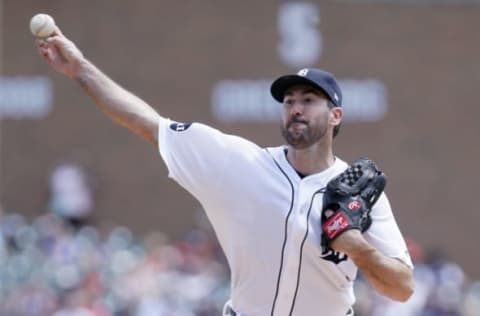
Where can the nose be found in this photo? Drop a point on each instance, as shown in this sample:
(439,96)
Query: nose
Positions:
(296,109)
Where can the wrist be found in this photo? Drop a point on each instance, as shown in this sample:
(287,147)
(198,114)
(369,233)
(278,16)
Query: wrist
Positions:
(353,244)
(80,69)
(361,252)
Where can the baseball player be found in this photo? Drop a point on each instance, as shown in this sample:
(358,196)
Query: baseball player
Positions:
(295,221)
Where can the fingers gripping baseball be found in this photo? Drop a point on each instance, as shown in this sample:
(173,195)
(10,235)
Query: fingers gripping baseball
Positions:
(60,53)
(349,198)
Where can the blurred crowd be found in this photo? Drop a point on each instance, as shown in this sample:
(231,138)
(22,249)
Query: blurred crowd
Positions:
(59,264)
(51,266)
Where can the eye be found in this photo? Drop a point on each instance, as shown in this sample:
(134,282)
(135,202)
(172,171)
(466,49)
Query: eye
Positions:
(288,102)
(307,100)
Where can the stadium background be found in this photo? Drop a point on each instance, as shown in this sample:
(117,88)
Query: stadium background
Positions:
(422,58)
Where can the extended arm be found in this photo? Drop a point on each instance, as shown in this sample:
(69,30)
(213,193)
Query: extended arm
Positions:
(119,104)
(389,276)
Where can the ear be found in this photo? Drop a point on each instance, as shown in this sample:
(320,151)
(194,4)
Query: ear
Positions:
(336,115)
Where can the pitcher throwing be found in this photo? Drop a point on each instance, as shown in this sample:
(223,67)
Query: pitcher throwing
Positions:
(294,239)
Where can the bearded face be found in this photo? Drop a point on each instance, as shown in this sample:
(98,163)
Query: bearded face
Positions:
(301,133)
(305,117)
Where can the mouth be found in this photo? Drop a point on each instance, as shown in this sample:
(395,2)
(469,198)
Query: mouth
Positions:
(297,128)
(297,124)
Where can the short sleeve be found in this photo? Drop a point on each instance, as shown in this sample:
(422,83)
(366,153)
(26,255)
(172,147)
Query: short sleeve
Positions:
(192,153)
(197,156)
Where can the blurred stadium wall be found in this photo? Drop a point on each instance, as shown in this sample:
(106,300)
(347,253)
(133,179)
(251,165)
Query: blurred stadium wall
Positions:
(410,72)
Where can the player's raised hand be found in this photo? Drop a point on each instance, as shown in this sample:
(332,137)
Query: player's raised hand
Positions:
(60,53)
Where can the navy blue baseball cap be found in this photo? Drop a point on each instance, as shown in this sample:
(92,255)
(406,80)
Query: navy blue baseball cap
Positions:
(317,78)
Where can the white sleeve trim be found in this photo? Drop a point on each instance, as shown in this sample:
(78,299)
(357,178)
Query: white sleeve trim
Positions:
(163,124)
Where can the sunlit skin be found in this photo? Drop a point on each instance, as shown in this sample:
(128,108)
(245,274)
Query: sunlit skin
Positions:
(307,127)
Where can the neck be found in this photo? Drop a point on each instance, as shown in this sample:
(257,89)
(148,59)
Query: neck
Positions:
(313,159)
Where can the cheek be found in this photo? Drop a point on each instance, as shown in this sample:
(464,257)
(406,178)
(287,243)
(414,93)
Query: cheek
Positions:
(284,116)
(321,117)
(330,118)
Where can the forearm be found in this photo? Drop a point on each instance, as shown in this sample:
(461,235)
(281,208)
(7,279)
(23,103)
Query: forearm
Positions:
(120,105)
(388,276)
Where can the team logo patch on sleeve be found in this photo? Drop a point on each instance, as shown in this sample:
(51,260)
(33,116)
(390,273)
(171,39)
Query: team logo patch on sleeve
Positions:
(179,127)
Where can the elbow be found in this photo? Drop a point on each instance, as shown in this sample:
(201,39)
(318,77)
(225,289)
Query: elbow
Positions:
(405,291)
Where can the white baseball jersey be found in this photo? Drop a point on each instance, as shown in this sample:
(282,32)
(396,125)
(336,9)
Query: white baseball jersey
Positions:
(267,220)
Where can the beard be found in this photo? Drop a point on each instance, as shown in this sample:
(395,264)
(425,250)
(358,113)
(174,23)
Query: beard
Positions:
(300,134)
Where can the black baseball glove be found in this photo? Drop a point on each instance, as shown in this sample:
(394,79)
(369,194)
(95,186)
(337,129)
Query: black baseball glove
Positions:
(349,198)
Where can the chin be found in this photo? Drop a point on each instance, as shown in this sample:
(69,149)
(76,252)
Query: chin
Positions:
(299,144)
(296,140)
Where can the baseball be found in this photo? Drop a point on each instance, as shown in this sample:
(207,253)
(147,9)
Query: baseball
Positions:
(42,25)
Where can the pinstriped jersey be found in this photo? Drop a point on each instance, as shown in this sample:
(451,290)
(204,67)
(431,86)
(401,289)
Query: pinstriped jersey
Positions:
(267,220)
